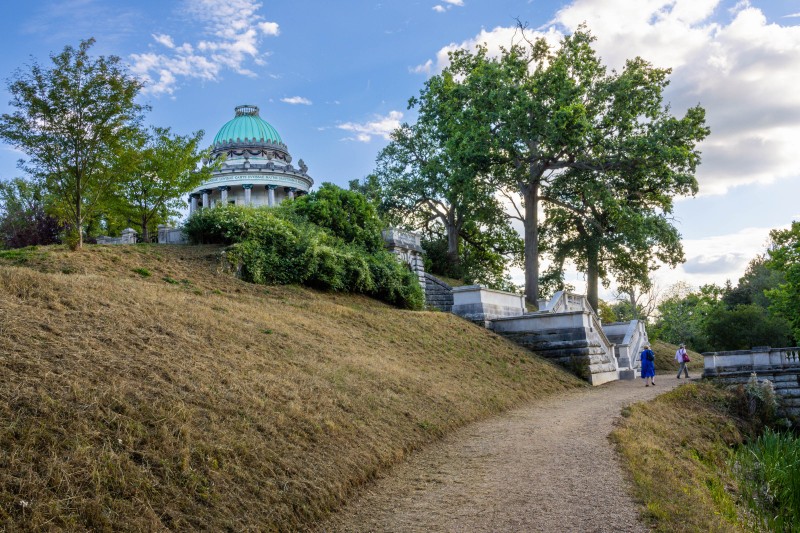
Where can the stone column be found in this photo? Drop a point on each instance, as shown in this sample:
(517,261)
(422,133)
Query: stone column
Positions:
(290,192)
(206,194)
(223,192)
(192,203)
(271,194)
(247,187)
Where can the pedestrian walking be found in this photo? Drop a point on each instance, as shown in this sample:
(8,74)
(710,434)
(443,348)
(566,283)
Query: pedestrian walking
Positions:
(648,366)
(683,358)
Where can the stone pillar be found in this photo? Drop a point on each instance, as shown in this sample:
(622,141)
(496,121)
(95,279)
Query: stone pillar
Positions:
(271,195)
(206,194)
(223,192)
(247,188)
(192,203)
(290,192)
(407,246)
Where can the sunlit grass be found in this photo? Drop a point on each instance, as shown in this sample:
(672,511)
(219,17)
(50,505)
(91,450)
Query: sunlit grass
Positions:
(676,449)
(136,403)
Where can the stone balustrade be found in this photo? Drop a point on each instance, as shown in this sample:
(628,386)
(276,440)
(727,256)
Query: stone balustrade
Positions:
(781,366)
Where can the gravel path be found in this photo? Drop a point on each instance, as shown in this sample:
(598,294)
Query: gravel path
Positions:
(548,466)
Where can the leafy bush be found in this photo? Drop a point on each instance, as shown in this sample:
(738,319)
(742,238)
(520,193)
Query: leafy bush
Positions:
(278,246)
(345,214)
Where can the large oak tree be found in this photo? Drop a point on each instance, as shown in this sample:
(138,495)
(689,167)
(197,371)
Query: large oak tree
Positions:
(545,113)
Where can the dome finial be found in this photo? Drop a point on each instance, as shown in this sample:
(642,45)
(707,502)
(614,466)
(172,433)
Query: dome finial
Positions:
(246,110)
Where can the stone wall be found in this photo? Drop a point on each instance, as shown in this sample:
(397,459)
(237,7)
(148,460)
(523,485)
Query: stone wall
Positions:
(479,304)
(438,294)
(781,366)
(407,246)
(128,237)
(573,339)
(168,235)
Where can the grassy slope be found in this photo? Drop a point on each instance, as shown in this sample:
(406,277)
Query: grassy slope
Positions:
(676,450)
(187,399)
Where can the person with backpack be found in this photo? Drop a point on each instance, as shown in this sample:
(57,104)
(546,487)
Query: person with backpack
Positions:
(683,358)
(648,366)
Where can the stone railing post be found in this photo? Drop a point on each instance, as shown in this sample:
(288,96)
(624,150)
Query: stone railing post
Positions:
(407,247)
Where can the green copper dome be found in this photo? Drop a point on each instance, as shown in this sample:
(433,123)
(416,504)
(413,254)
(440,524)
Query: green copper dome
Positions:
(247,126)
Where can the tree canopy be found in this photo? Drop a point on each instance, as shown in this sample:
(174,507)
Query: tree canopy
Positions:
(554,121)
(153,172)
(784,256)
(434,179)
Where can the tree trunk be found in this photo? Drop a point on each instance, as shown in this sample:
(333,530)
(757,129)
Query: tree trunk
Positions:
(79,220)
(145,233)
(452,248)
(592,276)
(530,195)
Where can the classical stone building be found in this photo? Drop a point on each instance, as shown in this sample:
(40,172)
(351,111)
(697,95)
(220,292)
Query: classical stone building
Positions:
(256,165)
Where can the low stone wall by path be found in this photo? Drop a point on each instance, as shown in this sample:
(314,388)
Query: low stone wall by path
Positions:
(781,366)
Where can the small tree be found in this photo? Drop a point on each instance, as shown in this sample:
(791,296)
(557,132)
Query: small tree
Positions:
(156,169)
(72,120)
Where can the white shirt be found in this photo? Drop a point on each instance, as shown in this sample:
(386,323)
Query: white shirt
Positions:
(679,354)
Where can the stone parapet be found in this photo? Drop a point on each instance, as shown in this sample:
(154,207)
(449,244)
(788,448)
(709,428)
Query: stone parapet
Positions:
(168,235)
(479,304)
(781,366)
(128,237)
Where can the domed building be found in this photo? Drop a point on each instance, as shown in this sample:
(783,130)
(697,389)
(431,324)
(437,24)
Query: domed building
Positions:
(256,166)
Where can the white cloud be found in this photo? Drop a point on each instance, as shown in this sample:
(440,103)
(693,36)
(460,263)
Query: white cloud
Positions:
(294,100)
(792,15)
(741,68)
(448,4)
(425,68)
(233,31)
(164,40)
(717,258)
(381,126)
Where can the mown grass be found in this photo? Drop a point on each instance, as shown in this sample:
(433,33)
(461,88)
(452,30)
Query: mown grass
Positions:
(677,449)
(132,403)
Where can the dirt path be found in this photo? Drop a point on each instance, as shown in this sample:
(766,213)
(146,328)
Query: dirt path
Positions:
(543,467)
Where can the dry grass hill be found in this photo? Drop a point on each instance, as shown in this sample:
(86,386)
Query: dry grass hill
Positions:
(143,388)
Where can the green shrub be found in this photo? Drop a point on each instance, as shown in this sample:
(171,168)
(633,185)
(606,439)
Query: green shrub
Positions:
(278,246)
(345,214)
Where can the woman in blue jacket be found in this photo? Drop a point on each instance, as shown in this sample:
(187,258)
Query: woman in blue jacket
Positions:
(648,366)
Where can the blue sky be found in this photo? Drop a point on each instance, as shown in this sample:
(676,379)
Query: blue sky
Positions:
(334,78)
